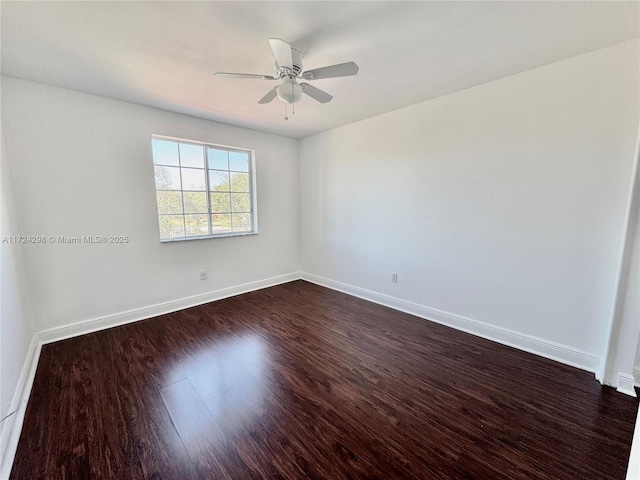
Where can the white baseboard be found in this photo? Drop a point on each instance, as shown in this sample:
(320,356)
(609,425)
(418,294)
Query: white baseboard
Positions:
(636,374)
(626,383)
(100,323)
(12,426)
(544,348)
(11,431)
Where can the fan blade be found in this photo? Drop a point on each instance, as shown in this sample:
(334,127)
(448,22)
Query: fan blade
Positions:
(271,94)
(316,93)
(282,53)
(245,75)
(340,70)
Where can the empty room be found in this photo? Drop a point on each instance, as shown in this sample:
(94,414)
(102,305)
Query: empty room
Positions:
(320,239)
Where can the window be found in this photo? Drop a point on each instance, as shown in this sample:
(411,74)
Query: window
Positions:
(203,190)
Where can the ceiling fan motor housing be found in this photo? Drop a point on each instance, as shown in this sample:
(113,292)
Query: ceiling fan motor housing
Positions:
(297,65)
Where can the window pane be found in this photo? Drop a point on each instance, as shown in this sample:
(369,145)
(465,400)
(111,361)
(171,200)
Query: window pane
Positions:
(240,202)
(191,155)
(168,178)
(169,202)
(220,202)
(220,223)
(219,181)
(241,222)
(239,182)
(196,225)
(185,207)
(239,161)
(164,152)
(171,226)
(195,202)
(193,179)
(217,159)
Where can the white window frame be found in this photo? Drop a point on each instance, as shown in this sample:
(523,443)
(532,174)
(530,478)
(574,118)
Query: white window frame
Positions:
(252,186)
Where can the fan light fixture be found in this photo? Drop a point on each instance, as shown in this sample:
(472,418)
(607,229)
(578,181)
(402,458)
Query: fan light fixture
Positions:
(289,91)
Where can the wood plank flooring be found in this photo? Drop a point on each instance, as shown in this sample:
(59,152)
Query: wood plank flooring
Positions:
(298,381)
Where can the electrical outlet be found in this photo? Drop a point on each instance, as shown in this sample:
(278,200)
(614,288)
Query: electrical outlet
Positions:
(394,278)
(203,274)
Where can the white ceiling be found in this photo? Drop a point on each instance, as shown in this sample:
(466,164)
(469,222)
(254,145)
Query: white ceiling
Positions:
(164,54)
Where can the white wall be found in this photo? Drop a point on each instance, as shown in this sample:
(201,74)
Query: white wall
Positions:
(16,321)
(632,298)
(625,325)
(81,165)
(503,203)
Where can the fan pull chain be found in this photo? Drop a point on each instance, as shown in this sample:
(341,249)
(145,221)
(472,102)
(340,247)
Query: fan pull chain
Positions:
(293,105)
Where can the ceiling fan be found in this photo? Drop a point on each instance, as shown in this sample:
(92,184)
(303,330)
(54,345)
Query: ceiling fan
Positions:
(287,63)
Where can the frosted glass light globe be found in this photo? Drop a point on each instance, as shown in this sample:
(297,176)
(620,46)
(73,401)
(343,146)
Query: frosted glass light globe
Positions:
(289,92)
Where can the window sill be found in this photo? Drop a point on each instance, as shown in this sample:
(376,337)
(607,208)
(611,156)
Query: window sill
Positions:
(206,237)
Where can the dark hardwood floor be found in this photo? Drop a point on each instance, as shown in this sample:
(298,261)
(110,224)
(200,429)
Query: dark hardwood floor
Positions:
(298,381)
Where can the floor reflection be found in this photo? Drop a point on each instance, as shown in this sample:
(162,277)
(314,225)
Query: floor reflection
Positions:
(229,378)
